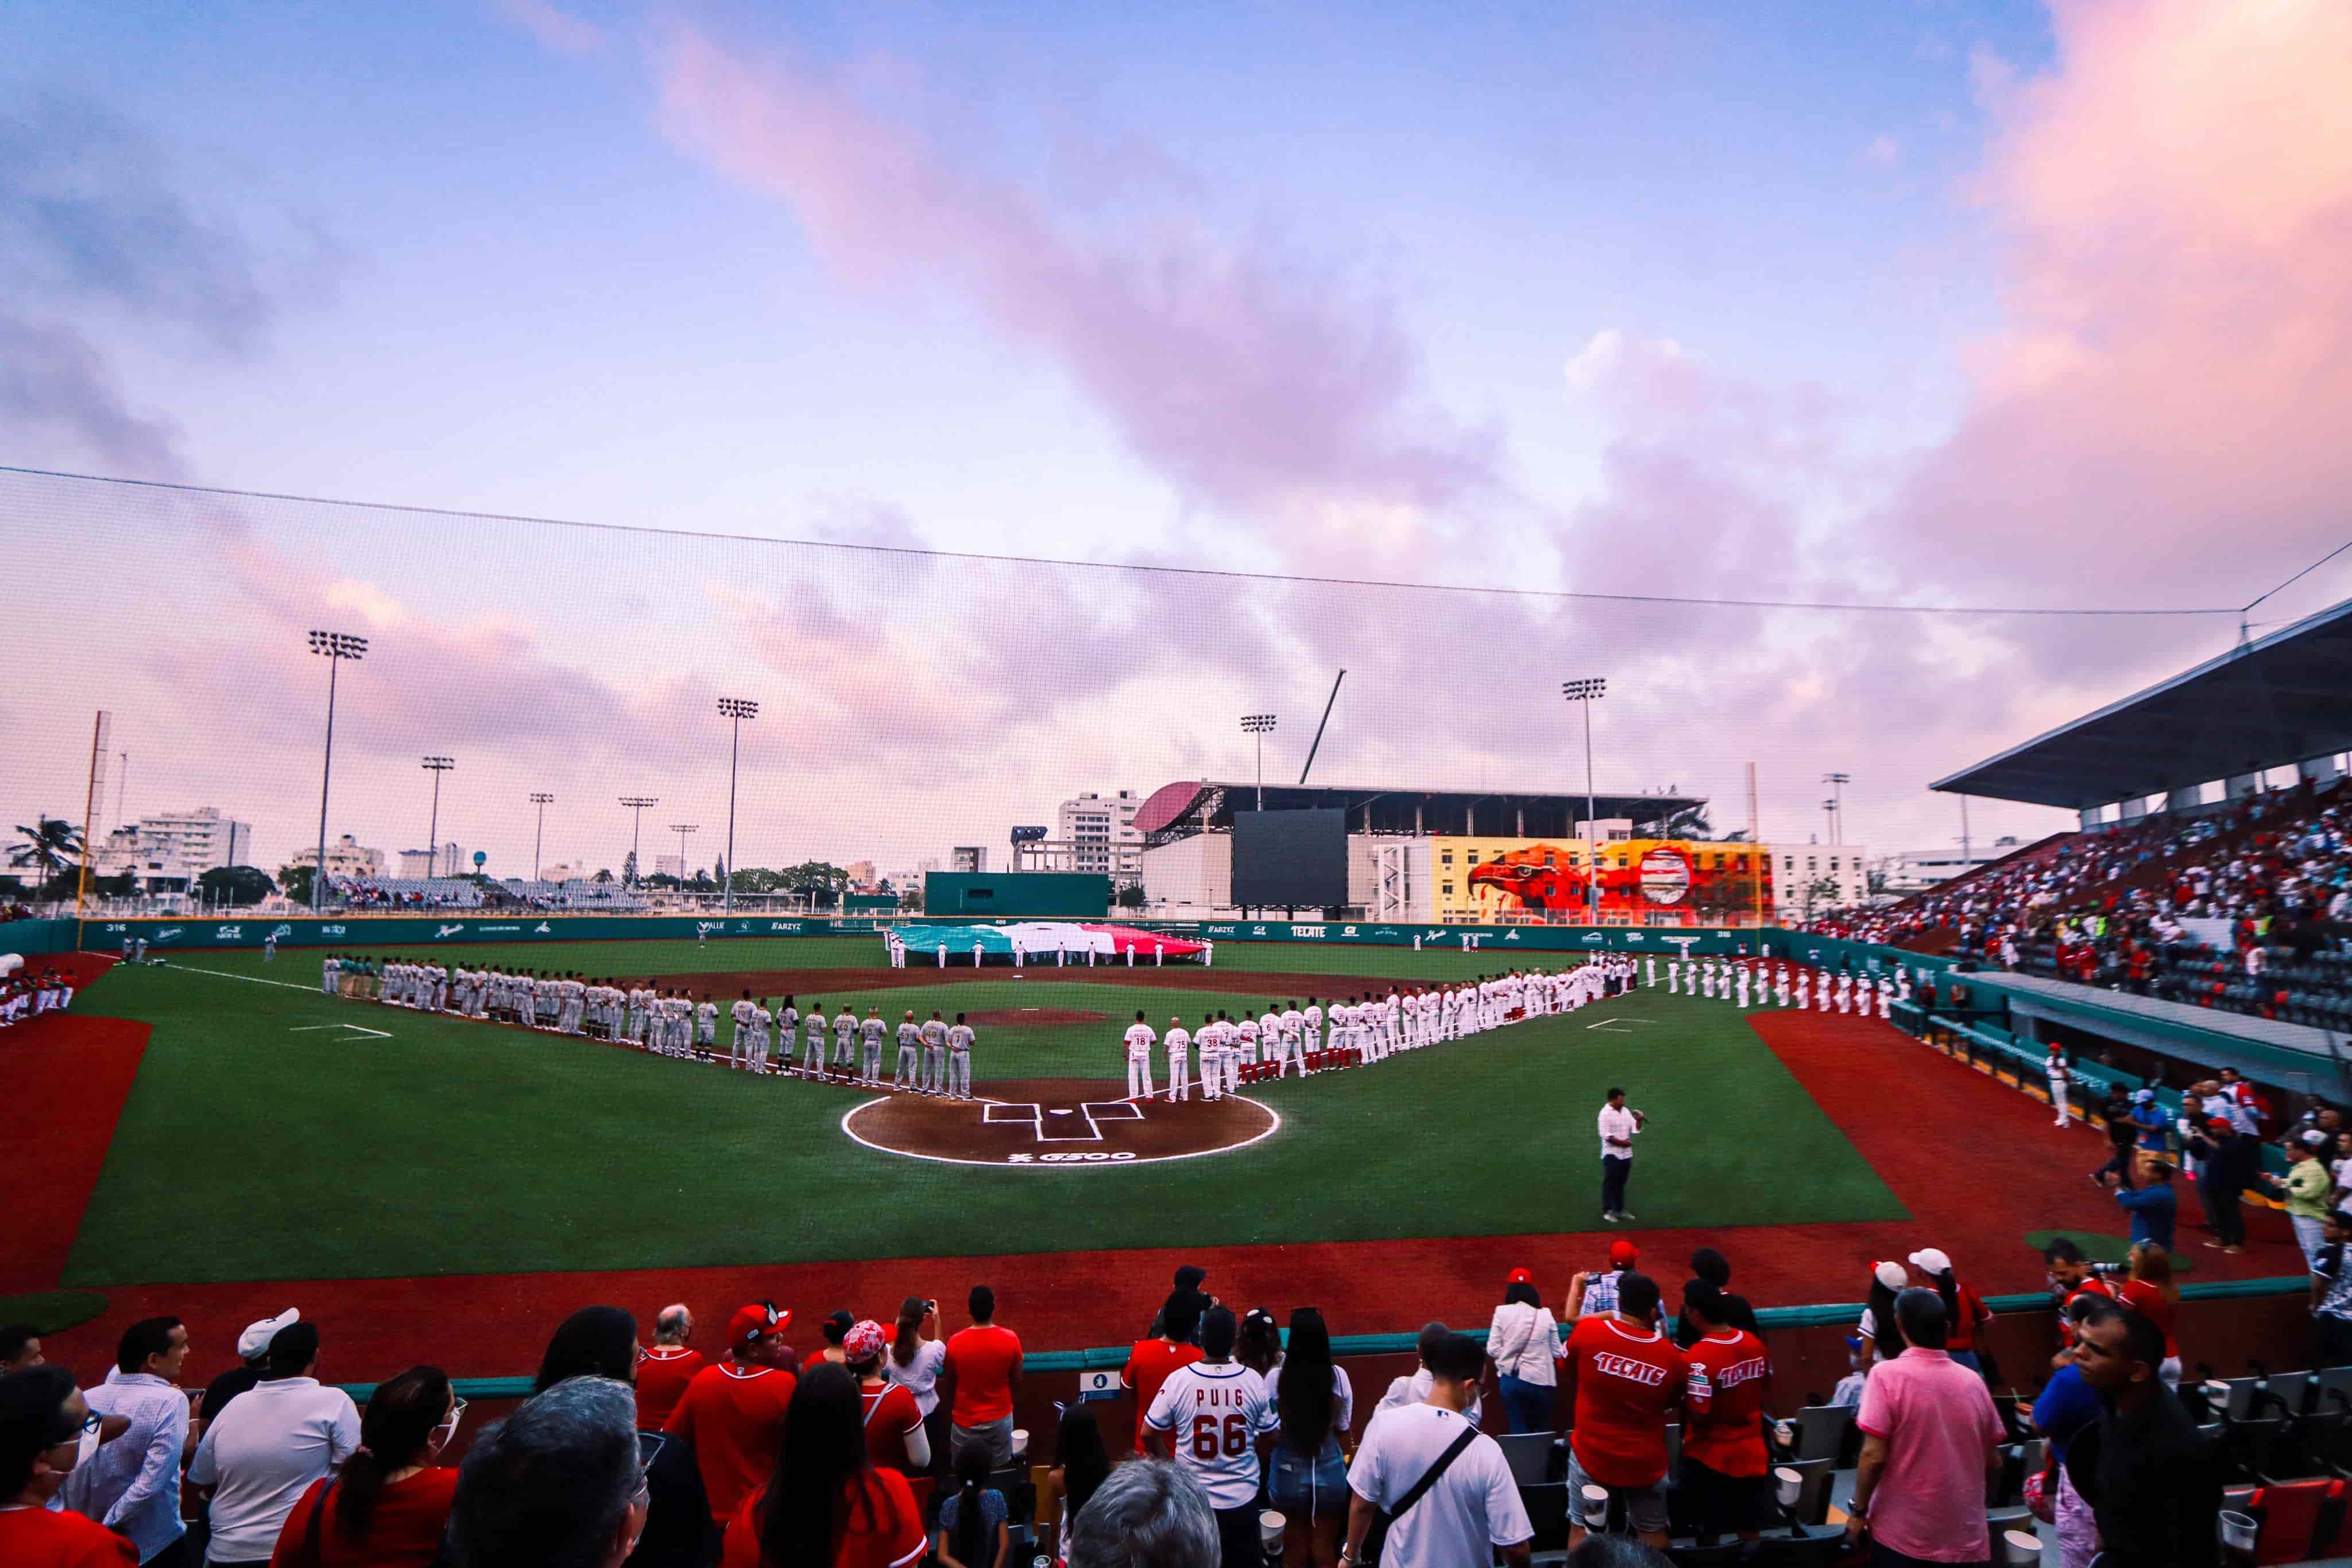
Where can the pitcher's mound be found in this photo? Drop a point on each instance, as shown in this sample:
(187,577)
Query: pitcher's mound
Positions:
(1036,1016)
(1058,1121)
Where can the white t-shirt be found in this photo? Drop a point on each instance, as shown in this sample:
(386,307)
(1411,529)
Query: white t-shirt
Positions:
(1413,1389)
(1214,1412)
(1615,1122)
(1474,1508)
(921,1376)
(1342,1419)
(1139,1039)
(263,1452)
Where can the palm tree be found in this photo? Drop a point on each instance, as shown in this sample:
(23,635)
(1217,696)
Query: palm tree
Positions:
(50,846)
(1686,822)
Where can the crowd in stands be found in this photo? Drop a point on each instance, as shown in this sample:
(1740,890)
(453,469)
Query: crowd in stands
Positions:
(394,893)
(895,1443)
(2247,908)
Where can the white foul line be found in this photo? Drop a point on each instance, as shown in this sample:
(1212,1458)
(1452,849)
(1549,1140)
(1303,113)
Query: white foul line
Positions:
(255,979)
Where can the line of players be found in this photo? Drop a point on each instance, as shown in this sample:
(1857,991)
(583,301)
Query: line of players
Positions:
(1735,979)
(934,1058)
(1361,1029)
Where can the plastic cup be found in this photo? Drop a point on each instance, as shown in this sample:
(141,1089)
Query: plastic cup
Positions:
(1269,1529)
(1596,1506)
(1786,1484)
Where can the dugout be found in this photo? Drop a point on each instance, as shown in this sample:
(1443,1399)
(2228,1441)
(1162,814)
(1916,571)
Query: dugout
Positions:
(1017,894)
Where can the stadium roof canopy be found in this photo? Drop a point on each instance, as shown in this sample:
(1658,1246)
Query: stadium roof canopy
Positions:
(1178,810)
(2271,703)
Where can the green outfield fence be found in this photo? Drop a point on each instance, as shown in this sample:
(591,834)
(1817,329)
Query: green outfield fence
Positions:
(1109,1358)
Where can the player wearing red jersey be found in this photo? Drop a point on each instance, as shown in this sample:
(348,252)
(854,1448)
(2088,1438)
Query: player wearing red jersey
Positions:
(664,1369)
(733,1411)
(1627,1376)
(1724,1470)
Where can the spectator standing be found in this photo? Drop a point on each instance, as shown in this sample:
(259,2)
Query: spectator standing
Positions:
(2123,1135)
(1445,1485)
(1930,1440)
(826,1503)
(1523,1346)
(557,1484)
(1212,1412)
(1848,1391)
(389,1506)
(1711,1267)
(1147,1514)
(2151,1293)
(20,1348)
(43,1420)
(2065,1407)
(262,1453)
(1259,1344)
(2331,1293)
(131,1485)
(667,1366)
(1081,1463)
(2152,1480)
(1965,1313)
(2148,1121)
(2307,1187)
(2228,1165)
(733,1415)
(1878,1326)
(836,1328)
(1724,1472)
(677,1528)
(1412,1387)
(971,1532)
(916,1354)
(895,1438)
(253,1366)
(1305,1477)
(1618,1127)
(1151,1360)
(2154,1207)
(1588,1293)
(1627,1375)
(986,1361)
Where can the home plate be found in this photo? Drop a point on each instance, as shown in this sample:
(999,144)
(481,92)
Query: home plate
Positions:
(1060,1111)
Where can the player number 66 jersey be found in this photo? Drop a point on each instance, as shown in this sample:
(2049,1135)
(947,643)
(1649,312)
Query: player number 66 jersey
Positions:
(1213,1413)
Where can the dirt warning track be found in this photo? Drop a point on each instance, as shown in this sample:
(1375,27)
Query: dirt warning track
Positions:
(807,984)
(1056,1122)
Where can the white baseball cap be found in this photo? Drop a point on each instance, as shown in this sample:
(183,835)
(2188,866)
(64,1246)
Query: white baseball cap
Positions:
(255,1340)
(1890,1275)
(1931,1261)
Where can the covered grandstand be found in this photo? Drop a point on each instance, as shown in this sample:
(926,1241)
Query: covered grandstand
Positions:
(1178,810)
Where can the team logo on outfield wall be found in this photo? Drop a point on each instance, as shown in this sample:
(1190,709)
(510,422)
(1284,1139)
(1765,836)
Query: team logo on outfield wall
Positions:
(1316,932)
(1666,876)
(228,933)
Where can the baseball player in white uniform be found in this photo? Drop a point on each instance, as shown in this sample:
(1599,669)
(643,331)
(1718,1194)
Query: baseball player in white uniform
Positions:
(1209,1041)
(935,1056)
(960,1038)
(2060,1074)
(761,1022)
(909,1073)
(1139,1041)
(812,1061)
(706,1022)
(1314,1016)
(1294,1037)
(1179,1041)
(845,1033)
(872,1031)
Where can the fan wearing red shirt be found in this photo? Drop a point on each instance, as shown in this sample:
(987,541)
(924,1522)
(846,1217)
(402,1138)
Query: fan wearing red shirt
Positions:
(2072,1275)
(1151,1360)
(825,1504)
(734,1412)
(1627,1376)
(1724,1464)
(389,1507)
(895,1438)
(41,1418)
(664,1369)
(986,1361)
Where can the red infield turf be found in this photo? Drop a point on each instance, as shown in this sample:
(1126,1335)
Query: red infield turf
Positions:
(1976,1162)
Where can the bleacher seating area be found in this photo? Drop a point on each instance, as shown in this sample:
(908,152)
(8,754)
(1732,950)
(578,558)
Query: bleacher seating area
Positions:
(2246,908)
(399,893)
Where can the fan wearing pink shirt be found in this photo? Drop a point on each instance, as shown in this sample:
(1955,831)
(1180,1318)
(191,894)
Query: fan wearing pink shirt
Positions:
(1930,1438)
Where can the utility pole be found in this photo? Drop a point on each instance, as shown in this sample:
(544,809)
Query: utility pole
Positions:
(540,797)
(637,803)
(436,766)
(1837,783)
(1584,693)
(681,829)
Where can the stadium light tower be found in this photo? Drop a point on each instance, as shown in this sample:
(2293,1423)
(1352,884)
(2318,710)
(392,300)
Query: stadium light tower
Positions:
(681,829)
(1259,724)
(1584,693)
(737,710)
(1830,811)
(436,766)
(637,804)
(1837,783)
(335,647)
(539,798)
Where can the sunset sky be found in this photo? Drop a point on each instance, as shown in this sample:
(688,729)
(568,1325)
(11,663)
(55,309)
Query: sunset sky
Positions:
(2003,305)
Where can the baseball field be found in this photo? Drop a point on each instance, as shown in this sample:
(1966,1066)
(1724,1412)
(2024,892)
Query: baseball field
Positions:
(274,1132)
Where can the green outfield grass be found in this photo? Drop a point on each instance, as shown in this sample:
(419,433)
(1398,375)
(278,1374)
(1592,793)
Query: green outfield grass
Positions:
(263,1140)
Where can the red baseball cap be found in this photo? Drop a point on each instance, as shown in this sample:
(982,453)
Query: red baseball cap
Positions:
(749,1322)
(1621,1251)
(2219,1125)
(1520,1277)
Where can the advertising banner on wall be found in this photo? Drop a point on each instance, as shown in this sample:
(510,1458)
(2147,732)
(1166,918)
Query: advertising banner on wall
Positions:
(1642,882)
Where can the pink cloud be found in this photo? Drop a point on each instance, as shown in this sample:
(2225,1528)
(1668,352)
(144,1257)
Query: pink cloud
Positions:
(1255,381)
(554,29)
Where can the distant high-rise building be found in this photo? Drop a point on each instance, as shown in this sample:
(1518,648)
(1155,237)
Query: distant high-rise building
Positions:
(175,843)
(1098,834)
(965,857)
(345,857)
(447,860)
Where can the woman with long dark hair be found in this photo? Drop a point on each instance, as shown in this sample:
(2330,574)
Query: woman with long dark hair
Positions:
(2151,1293)
(971,1532)
(1259,1346)
(1964,1311)
(389,1506)
(1305,1476)
(1878,1327)
(1080,1464)
(825,1494)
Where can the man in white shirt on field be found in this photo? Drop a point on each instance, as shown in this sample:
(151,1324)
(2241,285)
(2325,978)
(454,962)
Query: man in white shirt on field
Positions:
(1618,1127)
(1139,1041)
(1179,1062)
(1208,1417)
(261,1454)
(1471,1511)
